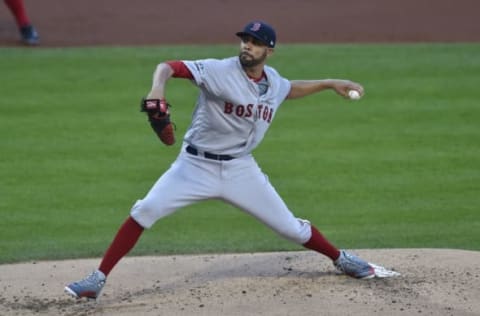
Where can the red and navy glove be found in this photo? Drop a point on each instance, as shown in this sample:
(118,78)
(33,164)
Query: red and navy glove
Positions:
(159,118)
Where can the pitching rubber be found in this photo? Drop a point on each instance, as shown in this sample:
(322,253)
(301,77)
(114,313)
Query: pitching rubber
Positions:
(70,292)
(382,272)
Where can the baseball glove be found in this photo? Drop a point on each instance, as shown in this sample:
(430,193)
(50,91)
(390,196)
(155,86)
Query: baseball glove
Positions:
(159,118)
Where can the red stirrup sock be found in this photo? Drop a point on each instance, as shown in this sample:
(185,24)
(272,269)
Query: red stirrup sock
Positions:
(18,11)
(320,244)
(127,236)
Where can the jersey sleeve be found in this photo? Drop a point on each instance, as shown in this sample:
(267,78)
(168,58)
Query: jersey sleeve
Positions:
(208,74)
(286,86)
(180,70)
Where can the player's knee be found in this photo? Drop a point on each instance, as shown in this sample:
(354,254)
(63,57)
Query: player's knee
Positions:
(144,213)
(300,232)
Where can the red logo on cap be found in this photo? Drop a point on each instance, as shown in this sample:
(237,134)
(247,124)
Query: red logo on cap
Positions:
(256,26)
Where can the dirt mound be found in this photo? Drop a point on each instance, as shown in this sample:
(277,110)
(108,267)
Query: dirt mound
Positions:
(433,282)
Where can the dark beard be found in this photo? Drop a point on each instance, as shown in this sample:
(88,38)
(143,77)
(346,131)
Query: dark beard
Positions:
(249,63)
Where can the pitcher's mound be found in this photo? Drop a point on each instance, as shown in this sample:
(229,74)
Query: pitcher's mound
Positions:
(432,282)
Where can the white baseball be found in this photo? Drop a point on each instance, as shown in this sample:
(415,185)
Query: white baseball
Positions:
(354,94)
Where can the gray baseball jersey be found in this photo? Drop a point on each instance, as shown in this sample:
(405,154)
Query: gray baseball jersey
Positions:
(231,115)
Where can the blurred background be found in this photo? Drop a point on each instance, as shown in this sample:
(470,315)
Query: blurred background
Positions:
(154,22)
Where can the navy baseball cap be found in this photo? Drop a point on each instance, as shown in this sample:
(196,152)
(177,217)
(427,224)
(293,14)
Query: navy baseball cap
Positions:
(261,31)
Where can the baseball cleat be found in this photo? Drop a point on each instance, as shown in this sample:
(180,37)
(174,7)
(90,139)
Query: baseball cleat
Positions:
(29,35)
(90,287)
(354,266)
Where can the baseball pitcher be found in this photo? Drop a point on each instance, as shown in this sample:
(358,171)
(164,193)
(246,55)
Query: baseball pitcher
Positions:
(239,98)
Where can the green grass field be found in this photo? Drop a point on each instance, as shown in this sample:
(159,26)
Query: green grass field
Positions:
(399,168)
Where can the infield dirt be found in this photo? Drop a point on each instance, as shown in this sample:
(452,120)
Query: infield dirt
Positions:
(433,281)
(153,22)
